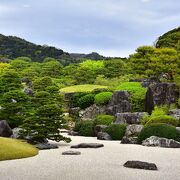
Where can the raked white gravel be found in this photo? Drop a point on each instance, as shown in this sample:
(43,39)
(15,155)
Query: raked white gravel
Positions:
(94,164)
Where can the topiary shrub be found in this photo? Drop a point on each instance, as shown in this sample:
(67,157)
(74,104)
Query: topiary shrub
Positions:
(116,131)
(104,119)
(137,94)
(74,100)
(103,98)
(86,101)
(84,128)
(160,130)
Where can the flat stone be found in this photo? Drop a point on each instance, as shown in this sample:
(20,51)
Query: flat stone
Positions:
(71,153)
(140,165)
(45,146)
(88,145)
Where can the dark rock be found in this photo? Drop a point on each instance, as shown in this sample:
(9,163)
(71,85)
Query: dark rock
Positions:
(129,118)
(129,140)
(44,146)
(175,113)
(68,96)
(161,94)
(119,103)
(91,112)
(28,91)
(133,130)
(71,153)
(103,136)
(99,128)
(73,133)
(88,145)
(161,142)
(140,165)
(5,130)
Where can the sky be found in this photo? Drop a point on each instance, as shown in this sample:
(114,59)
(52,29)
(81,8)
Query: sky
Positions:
(109,27)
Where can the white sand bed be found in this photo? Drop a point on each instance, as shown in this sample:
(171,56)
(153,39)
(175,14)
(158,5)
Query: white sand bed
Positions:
(94,164)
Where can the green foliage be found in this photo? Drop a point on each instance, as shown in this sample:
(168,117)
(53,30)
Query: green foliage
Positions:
(116,131)
(82,88)
(103,98)
(15,104)
(84,128)
(103,119)
(74,100)
(86,101)
(160,115)
(160,130)
(137,94)
(15,149)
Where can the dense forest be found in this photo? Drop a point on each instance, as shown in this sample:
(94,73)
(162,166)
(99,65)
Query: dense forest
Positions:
(33,80)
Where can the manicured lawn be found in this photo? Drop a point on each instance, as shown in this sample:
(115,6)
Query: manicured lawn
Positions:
(15,149)
(82,88)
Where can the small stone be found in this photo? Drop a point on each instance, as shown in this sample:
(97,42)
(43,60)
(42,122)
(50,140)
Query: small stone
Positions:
(88,145)
(71,153)
(140,165)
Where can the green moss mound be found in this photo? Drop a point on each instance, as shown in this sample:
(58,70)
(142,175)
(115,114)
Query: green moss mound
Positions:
(82,88)
(15,149)
(104,119)
(137,94)
(103,98)
(116,131)
(160,130)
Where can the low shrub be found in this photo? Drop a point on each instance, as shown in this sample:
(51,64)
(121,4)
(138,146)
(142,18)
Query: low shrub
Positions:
(160,130)
(116,131)
(84,128)
(163,119)
(103,119)
(74,100)
(103,98)
(86,101)
(137,94)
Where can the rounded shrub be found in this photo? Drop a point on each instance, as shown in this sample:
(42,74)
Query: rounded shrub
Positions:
(160,130)
(103,119)
(86,101)
(84,128)
(163,119)
(116,131)
(103,98)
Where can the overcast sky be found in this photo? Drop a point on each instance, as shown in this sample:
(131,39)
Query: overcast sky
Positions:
(109,27)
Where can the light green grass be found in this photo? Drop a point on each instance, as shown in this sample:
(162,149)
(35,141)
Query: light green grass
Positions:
(82,88)
(15,149)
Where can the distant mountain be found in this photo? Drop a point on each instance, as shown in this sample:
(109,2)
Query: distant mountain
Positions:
(169,39)
(93,55)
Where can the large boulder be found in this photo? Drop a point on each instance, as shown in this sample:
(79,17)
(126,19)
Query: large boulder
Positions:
(161,94)
(104,136)
(5,130)
(175,113)
(91,112)
(119,103)
(140,165)
(161,142)
(131,134)
(129,118)
(99,128)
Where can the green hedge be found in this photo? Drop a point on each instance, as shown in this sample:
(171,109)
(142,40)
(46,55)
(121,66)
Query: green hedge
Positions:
(116,131)
(104,119)
(84,128)
(103,98)
(160,130)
